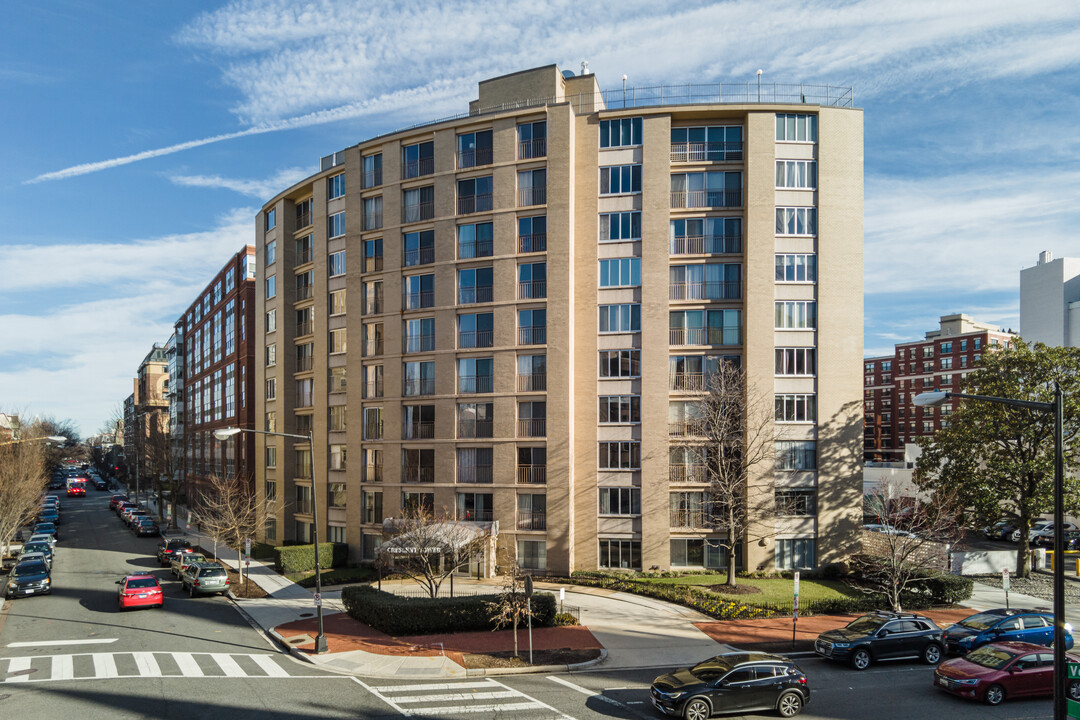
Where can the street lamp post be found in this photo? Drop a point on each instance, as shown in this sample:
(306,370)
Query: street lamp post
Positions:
(936,398)
(225,434)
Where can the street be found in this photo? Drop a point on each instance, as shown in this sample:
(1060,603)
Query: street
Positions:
(73,654)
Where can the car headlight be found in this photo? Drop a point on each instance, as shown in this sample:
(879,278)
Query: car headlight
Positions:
(841,645)
(970,683)
(48,581)
(674,695)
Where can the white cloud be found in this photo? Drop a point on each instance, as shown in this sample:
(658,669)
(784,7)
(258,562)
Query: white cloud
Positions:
(262,189)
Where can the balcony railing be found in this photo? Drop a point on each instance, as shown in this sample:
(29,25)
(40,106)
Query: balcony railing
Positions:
(476,474)
(420,256)
(474,158)
(303,220)
(532,149)
(373,430)
(687,473)
(534,242)
(703,336)
(417,168)
(305,256)
(372,178)
(372,473)
(468,204)
(474,295)
(532,474)
(694,519)
(372,347)
(729,151)
(424,342)
(372,220)
(480,248)
(373,264)
(305,292)
(372,306)
(532,196)
(532,290)
(475,428)
(686,428)
(418,430)
(532,335)
(706,198)
(417,474)
(534,382)
(476,383)
(706,244)
(305,328)
(303,400)
(476,339)
(303,364)
(474,515)
(417,212)
(417,300)
(418,386)
(373,389)
(531,520)
(704,290)
(535,428)
(687,382)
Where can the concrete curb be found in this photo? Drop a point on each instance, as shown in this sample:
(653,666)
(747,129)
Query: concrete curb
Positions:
(569,667)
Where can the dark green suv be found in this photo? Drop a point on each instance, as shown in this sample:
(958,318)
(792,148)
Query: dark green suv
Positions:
(205,578)
(883,635)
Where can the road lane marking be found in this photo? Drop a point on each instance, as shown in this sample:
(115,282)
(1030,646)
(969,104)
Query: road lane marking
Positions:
(63,667)
(228,665)
(18,664)
(188,666)
(104,665)
(500,707)
(147,665)
(587,691)
(430,686)
(271,668)
(409,705)
(55,643)
(450,697)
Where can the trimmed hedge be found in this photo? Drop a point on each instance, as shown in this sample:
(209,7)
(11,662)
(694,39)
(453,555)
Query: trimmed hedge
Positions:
(301,558)
(396,615)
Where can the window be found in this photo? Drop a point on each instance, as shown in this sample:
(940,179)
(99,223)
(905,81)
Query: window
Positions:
(474,506)
(372,213)
(620,409)
(474,195)
(372,507)
(620,226)
(946,347)
(411,502)
(698,236)
(420,291)
(474,149)
(796,315)
(792,554)
(271,219)
(620,363)
(337,341)
(963,346)
(532,187)
(532,554)
(418,422)
(620,179)
(419,335)
(335,186)
(796,502)
(373,256)
(373,423)
(532,281)
(372,170)
(796,408)
(476,375)
(372,343)
(621,554)
(531,373)
(796,361)
(620,272)
(337,302)
(532,327)
(796,268)
(271,388)
(475,420)
(271,321)
(796,221)
(475,286)
(946,363)
(271,355)
(271,461)
(474,465)
(706,144)
(620,318)
(304,397)
(418,378)
(620,132)
(532,234)
(418,465)
(475,240)
(532,140)
(704,327)
(337,462)
(305,285)
(620,501)
(417,159)
(978,343)
(417,204)
(303,213)
(336,264)
(271,287)
(796,128)
(706,189)
(697,552)
(303,496)
(711,281)
(337,418)
(476,330)
(271,252)
(305,249)
(335,225)
(796,174)
(419,247)
(532,418)
(624,455)
(796,455)
(372,381)
(270,421)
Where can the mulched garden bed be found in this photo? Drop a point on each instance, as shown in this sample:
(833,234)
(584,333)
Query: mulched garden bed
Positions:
(506,659)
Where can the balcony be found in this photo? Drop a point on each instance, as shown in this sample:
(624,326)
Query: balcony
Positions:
(418,212)
(373,389)
(305,292)
(706,244)
(532,290)
(691,519)
(731,151)
(418,300)
(424,342)
(532,149)
(371,178)
(474,158)
(305,328)
(535,382)
(687,382)
(705,198)
(476,475)
(474,515)
(372,220)
(534,428)
(532,335)
(687,428)
(534,242)
(474,295)
(418,386)
(532,196)
(303,220)
(532,474)
(373,430)
(704,291)
(418,430)
(469,204)
(687,474)
(476,383)
(475,429)
(304,364)
(475,249)
(372,473)
(418,474)
(476,339)
(372,306)
(372,264)
(303,400)
(531,520)
(420,256)
(418,168)
(703,336)
(371,347)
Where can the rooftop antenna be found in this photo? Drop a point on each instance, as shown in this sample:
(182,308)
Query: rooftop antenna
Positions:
(584,67)
(759,85)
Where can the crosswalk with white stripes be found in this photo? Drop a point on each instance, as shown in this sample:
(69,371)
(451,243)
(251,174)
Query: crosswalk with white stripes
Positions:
(470,697)
(86,666)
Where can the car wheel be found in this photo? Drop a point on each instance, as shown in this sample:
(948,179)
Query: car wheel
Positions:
(931,654)
(995,694)
(860,659)
(1015,536)
(1074,691)
(790,704)
(191,591)
(697,709)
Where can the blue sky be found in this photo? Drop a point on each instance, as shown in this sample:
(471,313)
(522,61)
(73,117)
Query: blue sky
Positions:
(139,139)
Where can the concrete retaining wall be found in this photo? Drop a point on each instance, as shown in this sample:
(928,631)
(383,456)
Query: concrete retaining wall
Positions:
(991,562)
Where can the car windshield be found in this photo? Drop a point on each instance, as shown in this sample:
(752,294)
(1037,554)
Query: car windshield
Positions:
(990,657)
(36,547)
(711,668)
(140,583)
(30,568)
(44,527)
(867,624)
(982,621)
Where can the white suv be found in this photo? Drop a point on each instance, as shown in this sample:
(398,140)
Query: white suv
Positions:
(1042,532)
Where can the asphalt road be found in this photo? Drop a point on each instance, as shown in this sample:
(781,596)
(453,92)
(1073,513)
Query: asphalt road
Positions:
(74,655)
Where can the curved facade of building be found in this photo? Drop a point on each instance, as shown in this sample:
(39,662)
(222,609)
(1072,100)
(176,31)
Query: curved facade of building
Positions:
(533,297)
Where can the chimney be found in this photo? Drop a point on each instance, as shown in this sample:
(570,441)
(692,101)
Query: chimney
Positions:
(1045,256)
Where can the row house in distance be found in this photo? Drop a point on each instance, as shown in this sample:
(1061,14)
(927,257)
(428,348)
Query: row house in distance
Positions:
(938,362)
(534,295)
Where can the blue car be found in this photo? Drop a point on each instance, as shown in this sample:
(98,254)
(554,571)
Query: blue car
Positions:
(1001,624)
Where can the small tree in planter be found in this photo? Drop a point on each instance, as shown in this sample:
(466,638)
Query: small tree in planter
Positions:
(230,512)
(512,607)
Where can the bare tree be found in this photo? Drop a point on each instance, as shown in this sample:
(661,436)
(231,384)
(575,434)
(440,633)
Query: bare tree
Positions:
(162,460)
(916,535)
(22,482)
(729,432)
(230,512)
(512,607)
(429,547)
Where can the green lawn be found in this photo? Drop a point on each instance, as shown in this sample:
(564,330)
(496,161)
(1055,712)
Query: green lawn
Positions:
(773,590)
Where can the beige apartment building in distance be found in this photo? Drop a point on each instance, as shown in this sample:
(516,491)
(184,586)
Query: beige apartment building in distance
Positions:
(534,296)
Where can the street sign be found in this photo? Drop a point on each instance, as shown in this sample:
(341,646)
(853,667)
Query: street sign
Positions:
(1005,579)
(318,599)
(528,586)
(247,546)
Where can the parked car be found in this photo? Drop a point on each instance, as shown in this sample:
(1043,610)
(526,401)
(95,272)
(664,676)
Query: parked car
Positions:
(1042,533)
(42,539)
(36,556)
(169,546)
(120,506)
(1000,530)
(28,578)
(1002,670)
(49,515)
(139,591)
(145,527)
(206,578)
(46,528)
(740,682)
(116,500)
(180,562)
(45,548)
(882,636)
(1000,625)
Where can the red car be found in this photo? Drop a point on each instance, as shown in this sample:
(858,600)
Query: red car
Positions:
(1002,670)
(139,591)
(116,500)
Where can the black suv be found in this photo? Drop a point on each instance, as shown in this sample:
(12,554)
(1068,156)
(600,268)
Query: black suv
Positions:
(169,546)
(734,682)
(883,636)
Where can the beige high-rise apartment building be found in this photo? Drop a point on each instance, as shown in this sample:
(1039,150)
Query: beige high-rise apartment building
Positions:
(535,294)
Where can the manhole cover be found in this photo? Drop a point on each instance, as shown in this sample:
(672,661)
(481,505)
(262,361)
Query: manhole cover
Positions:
(307,614)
